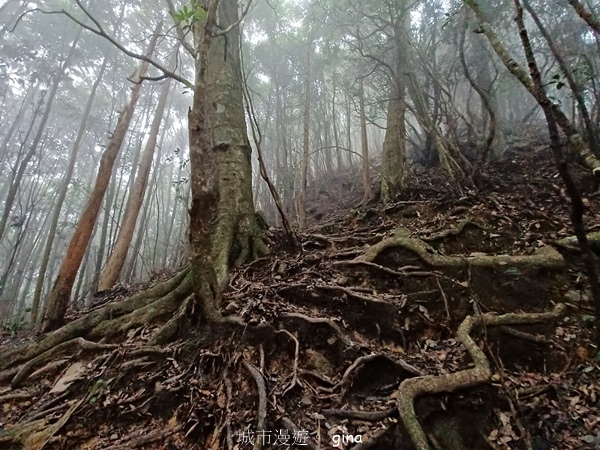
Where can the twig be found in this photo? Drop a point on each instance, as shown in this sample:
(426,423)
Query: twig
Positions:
(437,280)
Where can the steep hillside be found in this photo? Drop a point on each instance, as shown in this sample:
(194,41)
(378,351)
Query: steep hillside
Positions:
(458,320)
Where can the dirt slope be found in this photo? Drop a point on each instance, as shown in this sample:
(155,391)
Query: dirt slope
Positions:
(333,340)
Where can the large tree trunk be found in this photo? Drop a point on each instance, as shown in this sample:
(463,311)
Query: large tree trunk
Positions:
(58,299)
(223,226)
(119,251)
(236,234)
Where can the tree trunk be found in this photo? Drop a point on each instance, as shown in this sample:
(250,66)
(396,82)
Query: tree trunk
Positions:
(58,300)
(16,182)
(364,145)
(223,226)
(236,234)
(62,194)
(520,74)
(119,252)
(305,143)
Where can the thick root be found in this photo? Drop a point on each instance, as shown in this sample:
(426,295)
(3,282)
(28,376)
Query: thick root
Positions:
(432,384)
(82,326)
(546,257)
(145,315)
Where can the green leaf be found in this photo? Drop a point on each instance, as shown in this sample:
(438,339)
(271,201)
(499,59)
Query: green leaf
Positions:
(200,13)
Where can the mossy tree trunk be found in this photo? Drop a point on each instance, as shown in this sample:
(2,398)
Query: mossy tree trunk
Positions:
(236,234)
(393,165)
(223,227)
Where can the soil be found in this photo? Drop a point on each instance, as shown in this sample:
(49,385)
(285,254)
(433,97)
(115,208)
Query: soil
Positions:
(327,337)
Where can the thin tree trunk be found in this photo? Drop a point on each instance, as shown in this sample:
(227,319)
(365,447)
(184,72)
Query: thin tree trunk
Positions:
(305,143)
(16,182)
(520,74)
(119,252)
(364,144)
(62,194)
(59,297)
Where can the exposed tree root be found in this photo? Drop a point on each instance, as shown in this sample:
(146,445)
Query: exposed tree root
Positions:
(455,231)
(368,416)
(571,243)
(546,257)
(36,434)
(294,381)
(27,368)
(261,415)
(432,384)
(404,272)
(327,322)
(144,315)
(84,325)
(131,442)
(170,329)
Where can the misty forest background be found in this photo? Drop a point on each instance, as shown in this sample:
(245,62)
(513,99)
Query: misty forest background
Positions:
(319,77)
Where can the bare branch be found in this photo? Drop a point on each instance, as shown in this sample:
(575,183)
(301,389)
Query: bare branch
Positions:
(100,32)
(236,23)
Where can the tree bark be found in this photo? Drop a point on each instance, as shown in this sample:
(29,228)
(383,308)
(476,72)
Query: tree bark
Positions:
(364,145)
(118,255)
(305,142)
(236,234)
(62,194)
(58,300)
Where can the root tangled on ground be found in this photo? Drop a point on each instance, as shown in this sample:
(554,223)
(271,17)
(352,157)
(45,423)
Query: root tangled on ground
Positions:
(359,334)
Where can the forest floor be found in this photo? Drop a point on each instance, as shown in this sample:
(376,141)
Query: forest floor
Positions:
(330,334)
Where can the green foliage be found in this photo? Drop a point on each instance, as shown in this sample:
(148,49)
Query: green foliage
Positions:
(187,16)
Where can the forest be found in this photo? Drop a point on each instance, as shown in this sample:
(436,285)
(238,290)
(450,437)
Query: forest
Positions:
(265,224)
